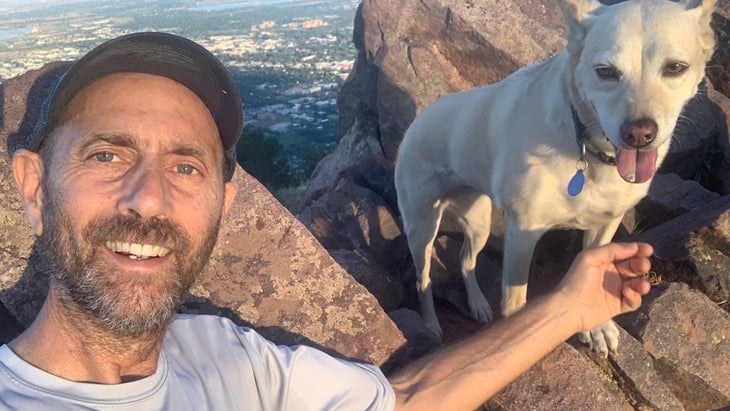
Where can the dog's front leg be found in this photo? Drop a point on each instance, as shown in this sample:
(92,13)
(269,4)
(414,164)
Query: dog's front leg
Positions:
(605,336)
(519,245)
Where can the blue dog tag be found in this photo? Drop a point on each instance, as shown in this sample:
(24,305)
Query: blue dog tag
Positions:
(575,186)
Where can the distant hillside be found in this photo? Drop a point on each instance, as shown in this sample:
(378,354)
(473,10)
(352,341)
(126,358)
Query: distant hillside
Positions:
(288,57)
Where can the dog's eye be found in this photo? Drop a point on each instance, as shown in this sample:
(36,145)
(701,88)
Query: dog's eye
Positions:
(675,68)
(606,72)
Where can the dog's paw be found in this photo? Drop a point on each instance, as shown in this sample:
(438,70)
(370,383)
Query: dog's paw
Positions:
(602,338)
(480,309)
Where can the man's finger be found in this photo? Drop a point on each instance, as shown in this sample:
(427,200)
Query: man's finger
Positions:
(615,252)
(632,292)
(633,266)
(639,285)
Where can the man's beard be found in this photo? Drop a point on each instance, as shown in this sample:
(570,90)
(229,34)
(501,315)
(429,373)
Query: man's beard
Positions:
(128,304)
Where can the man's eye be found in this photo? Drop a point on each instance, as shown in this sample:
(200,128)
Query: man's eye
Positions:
(186,169)
(105,157)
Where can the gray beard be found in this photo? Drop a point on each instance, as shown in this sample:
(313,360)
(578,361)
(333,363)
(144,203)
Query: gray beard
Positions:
(88,289)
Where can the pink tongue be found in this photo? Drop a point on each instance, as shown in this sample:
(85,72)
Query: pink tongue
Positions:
(636,166)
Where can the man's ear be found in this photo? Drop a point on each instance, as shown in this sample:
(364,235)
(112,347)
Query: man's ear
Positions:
(28,172)
(229,194)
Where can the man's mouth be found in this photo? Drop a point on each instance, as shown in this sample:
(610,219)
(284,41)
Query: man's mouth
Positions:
(136,251)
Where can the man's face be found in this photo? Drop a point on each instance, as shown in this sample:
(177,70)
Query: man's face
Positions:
(132,200)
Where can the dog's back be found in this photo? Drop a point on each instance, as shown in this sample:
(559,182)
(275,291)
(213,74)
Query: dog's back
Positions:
(465,138)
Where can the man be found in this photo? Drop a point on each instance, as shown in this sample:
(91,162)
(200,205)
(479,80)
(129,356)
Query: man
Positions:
(126,180)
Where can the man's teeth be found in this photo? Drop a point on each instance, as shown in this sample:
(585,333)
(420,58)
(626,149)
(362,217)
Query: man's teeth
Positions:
(137,251)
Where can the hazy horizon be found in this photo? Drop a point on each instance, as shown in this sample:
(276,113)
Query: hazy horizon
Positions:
(31,2)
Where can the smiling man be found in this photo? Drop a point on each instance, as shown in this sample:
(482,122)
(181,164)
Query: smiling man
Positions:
(126,180)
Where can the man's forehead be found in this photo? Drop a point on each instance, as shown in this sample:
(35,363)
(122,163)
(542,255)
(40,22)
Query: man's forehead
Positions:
(142,111)
(116,85)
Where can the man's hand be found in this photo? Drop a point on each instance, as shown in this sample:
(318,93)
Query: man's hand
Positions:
(603,282)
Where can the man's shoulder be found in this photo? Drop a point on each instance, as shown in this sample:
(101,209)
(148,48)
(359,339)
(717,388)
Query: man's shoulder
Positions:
(205,329)
(198,324)
(181,319)
(215,338)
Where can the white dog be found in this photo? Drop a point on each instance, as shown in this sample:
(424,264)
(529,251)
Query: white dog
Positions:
(572,142)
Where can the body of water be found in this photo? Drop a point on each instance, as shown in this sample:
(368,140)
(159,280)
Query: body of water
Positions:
(237,5)
(8,34)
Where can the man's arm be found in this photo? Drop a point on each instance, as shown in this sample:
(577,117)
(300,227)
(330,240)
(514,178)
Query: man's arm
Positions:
(600,284)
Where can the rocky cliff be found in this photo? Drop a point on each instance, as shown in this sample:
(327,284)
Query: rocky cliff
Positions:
(675,352)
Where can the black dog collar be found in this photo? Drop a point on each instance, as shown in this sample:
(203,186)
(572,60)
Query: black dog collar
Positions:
(582,137)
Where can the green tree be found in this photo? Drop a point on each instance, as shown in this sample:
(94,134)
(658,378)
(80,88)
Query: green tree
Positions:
(310,157)
(261,156)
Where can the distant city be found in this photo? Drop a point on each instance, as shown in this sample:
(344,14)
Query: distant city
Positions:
(288,57)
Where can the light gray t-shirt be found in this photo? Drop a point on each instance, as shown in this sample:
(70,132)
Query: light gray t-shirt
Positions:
(209,363)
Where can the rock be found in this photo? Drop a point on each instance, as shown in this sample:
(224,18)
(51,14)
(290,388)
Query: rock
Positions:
(719,159)
(639,378)
(273,274)
(447,282)
(355,147)
(267,271)
(696,139)
(10,326)
(21,290)
(717,68)
(388,291)
(435,48)
(688,337)
(352,217)
(564,380)
(711,265)
(670,196)
(695,248)
(420,340)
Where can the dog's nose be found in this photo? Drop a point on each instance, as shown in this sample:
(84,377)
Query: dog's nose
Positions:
(639,133)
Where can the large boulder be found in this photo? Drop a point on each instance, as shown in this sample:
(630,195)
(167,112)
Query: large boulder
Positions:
(686,336)
(718,70)
(670,196)
(564,380)
(267,271)
(695,248)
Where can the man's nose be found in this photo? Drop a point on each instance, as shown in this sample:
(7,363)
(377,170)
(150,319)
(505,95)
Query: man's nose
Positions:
(146,193)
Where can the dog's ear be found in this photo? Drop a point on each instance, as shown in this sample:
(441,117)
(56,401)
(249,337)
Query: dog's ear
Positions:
(704,10)
(575,13)
(707,6)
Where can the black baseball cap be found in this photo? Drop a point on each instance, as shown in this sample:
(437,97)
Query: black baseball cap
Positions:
(156,53)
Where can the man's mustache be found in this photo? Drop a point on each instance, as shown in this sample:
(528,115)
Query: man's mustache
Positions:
(132,229)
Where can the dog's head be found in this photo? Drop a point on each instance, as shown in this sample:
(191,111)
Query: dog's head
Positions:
(635,65)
